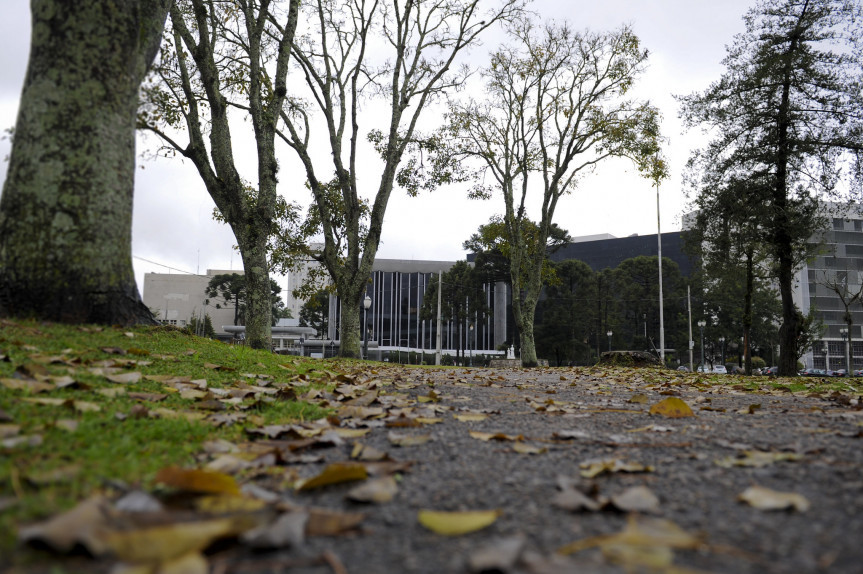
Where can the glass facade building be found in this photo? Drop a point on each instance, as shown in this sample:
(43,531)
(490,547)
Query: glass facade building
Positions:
(393,321)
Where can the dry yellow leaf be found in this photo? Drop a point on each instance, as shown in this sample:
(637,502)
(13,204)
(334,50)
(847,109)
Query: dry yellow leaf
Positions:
(672,407)
(379,490)
(470,417)
(193,480)
(522,448)
(767,499)
(457,523)
(333,474)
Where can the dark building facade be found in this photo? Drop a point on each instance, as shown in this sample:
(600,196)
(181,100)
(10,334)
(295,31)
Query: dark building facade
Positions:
(609,252)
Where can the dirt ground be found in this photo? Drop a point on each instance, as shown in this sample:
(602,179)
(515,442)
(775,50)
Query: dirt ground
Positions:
(562,459)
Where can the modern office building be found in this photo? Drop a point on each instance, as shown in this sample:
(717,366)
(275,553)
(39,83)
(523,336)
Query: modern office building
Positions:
(606,251)
(822,283)
(397,290)
(174,298)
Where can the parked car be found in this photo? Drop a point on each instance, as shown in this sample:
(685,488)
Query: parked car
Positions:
(720,369)
(858,373)
(840,373)
(814,373)
(683,368)
(771,371)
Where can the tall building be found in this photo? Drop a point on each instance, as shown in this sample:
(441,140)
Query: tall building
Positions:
(822,283)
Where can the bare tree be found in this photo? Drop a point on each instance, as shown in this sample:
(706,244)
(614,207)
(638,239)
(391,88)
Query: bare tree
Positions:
(850,292)
(555,106)
(219,57)
(404,52)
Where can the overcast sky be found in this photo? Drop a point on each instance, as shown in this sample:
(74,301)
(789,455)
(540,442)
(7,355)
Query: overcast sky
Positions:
(173,226)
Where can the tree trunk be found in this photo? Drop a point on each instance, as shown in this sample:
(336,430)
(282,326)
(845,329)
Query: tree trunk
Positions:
(259,309)
(747,309)
(66,209)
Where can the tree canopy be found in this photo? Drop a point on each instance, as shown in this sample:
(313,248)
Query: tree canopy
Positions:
(556,105)
(230,290)
(788,115)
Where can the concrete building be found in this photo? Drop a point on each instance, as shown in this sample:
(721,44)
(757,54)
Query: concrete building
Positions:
(838,266)
(175,298)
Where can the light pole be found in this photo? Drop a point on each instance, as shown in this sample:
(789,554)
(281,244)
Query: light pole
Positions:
(740,354)
(469,342)
(609,339)
(367,302)
(722,344)
(701,325)
(844,333)
(826,350)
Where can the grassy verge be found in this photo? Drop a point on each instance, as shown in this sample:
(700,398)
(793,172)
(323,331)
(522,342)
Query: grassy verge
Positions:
(68,430)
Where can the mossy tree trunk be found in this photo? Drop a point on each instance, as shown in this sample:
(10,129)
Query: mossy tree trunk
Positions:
(66,209)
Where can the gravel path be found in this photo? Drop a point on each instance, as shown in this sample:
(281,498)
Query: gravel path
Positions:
(696,466)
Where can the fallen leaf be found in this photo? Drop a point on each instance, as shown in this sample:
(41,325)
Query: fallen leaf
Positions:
(639,398)
(9,430)
(193,480)
(401,439)
(757,459)
(487,436)
(522,448)
(593,469)
(767,499)
(28,385)
(288,530)
(636,499)
(574,500)
(470,417)
(457,523)
(325,522)
(378,490)
(643,543)
(334,474)
(76,526)
(125,378)
(672,408)
(499,556)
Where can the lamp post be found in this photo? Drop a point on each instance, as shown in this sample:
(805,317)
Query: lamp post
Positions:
(844,333)
(826,350)
(722,344)
(469,343)
(367,302)
(701,325)
(609,339)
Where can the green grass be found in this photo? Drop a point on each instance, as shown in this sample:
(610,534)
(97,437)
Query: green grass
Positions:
(112,444)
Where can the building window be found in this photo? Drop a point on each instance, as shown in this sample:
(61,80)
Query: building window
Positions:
(169,321)
(838,224)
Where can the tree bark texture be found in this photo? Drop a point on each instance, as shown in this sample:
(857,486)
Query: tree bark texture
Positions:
(66,209)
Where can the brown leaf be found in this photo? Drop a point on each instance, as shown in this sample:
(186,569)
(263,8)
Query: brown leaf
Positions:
(76,526)
(29,385)
(499,436)
(325,522)
(125,378)
(151,397)
(594,469)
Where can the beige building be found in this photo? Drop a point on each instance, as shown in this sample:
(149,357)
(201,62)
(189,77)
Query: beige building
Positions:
(175,298)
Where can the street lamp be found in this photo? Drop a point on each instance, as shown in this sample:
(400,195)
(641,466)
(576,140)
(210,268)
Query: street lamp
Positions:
(844,333)
(469,342)
(367,302)
(722,344)
(609,339)
(826,350)
(701,325)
